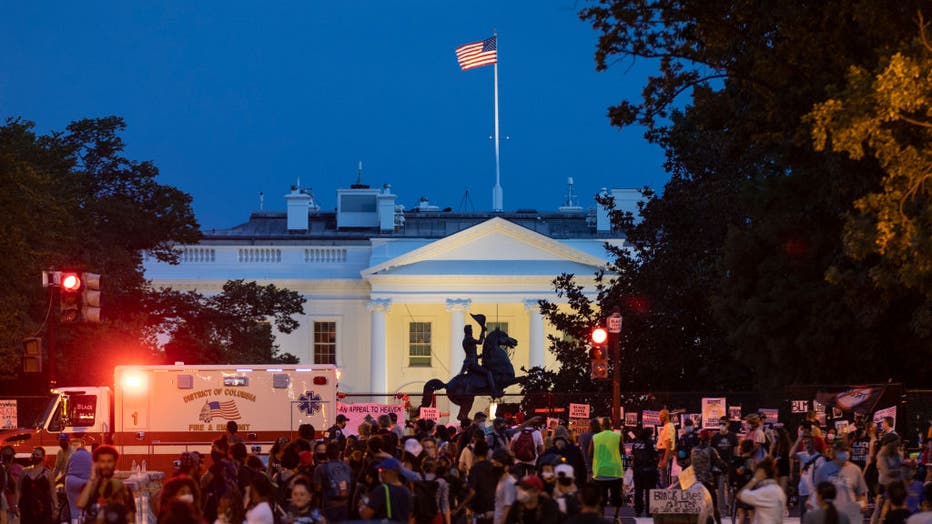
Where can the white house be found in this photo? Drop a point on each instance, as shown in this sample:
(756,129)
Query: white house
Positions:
(388,290)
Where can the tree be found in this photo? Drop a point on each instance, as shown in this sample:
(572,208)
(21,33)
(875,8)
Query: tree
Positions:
(732,264)
(72,200)
(233,327)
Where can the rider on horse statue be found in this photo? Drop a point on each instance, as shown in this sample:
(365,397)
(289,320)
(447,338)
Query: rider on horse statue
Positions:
(471,363)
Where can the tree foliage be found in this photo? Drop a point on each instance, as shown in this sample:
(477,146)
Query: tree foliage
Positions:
(736,266)
(72,200)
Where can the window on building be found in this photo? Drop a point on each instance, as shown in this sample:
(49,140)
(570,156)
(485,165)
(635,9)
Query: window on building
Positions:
(419,344)
(491,326)
(325,343)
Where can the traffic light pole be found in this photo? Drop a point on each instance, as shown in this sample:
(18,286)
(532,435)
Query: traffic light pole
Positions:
(51,335)
(615,343)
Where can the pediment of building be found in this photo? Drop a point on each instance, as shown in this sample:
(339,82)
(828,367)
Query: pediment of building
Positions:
(496,246)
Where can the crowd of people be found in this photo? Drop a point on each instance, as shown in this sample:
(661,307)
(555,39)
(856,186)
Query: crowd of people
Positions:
(492,472)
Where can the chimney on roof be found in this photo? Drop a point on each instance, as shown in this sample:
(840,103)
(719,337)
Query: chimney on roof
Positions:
(298,205)
(386,207)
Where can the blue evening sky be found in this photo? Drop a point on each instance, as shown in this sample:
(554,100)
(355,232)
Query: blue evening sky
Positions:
(236,98)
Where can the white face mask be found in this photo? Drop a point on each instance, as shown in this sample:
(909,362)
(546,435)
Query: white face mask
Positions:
(187,497)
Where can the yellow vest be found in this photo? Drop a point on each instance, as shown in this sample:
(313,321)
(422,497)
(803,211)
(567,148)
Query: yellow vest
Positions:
(606,457)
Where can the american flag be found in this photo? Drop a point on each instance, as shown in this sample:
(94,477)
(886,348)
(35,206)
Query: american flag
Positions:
(220,409)
(477,54)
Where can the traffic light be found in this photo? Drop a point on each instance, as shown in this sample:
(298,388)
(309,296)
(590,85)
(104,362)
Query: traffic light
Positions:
(90,297)
(599,369)
(70,309)
(32,355)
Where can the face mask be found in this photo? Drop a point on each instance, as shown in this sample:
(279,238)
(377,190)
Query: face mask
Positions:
(522,496)
(187,497)
(320,457)
(498,470)
(38,460)
(565,481)
(546,475)
(841,456)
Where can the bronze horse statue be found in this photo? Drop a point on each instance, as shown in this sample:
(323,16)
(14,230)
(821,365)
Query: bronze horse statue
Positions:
(463,388)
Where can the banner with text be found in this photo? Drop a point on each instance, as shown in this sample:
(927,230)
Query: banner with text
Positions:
(8,414)
(369,412)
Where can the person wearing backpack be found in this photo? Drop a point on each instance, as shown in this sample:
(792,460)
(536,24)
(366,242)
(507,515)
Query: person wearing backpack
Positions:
(526,446)
(644,462)
(389,500)
(809,459)
(431,495)
(332,480)
(686,443)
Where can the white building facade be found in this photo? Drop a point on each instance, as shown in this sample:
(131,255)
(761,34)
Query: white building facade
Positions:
(389,291)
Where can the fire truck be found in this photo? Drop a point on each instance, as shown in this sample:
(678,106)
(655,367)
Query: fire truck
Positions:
(154,413)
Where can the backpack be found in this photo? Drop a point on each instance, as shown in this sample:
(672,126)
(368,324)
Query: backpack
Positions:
(523,447)
(425,500)
(338,480)
(684,448)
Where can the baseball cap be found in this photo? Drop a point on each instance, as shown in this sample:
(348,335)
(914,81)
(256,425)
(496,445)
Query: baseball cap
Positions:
(413,447)
(390,464)
(532,481)
(341,418)
(565,470)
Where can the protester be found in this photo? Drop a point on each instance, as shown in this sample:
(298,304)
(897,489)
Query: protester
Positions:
(809,459)
(505,491)
(825,512)
(180,497)
(591,507)
(894,510)
(531,505)
(565,494)
(332,481)
(644,462)
(36,491)
(606,449)
(666,447)
(705,461)
(102,489)
(851,498)
(300,510)
(763,493)
(482,481)
(260,501)
(583,441)
(725,441)
(390,499)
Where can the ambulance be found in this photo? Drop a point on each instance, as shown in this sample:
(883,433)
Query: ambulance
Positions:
(154,413)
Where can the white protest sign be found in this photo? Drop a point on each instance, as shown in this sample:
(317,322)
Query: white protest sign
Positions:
(650,418)
(800,406)
(8,414)
(772,414)
(356,414)
(888,412)
(430,413)
(675,501)
(579,410)
(712,410)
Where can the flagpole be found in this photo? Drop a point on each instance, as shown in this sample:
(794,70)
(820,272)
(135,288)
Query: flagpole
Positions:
(497,190)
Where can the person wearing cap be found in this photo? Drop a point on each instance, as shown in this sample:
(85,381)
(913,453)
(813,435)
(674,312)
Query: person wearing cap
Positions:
(335,432)
(390,499)
(607,470)
(725,441)
(851,498)
(809,458)
(564,492)
(532,506)
(505,490)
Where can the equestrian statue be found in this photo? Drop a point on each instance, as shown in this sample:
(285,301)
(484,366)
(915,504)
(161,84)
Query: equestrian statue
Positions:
(491,377)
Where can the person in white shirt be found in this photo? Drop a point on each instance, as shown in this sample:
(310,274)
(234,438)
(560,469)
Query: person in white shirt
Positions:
(764,494)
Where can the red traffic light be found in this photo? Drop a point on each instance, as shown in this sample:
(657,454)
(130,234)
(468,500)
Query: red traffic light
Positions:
(70,282)
(599,336)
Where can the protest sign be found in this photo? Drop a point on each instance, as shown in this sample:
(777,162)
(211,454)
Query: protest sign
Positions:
(675,501)
(356,414)
(888,412)
(800,406)
(734,412)
(430,413)
(579,410)
(650,418)
(8,414)
(712,410)
(773,415)
(631,419)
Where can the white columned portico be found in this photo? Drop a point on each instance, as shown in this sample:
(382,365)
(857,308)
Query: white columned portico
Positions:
(378,373)
(536,334)
(457,308)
